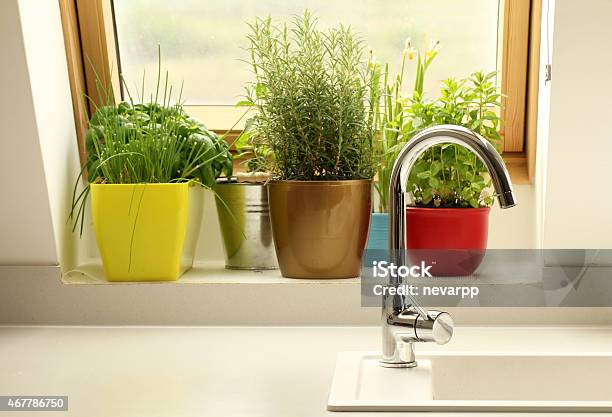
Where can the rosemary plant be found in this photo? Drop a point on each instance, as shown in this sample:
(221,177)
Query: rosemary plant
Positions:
(315,101)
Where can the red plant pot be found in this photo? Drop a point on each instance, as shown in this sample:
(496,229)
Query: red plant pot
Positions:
(452,240)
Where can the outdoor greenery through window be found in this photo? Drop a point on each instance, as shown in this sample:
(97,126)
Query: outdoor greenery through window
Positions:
(204,42)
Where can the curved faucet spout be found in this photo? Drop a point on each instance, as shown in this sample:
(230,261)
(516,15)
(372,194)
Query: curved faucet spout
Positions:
(395,306)
(436,135)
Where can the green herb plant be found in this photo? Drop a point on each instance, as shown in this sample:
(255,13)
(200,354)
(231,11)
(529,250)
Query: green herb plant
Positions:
(161,143)
(446,175)
(148,140)
(314,99)
(258,157)
(449,175)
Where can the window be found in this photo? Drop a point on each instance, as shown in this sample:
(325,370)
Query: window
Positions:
(203,45)
(199,48)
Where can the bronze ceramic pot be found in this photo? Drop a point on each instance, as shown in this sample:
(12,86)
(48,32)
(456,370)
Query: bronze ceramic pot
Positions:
(320,228)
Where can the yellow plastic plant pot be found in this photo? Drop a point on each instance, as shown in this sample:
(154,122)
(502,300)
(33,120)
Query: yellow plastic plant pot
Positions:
(146,232)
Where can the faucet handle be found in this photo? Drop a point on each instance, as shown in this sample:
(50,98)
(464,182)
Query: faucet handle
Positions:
(407,327)
(413,327)
(438,327)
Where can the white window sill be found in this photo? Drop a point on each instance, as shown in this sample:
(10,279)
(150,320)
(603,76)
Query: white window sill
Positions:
(210,272)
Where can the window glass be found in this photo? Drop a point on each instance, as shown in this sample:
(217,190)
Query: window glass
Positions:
(203,41)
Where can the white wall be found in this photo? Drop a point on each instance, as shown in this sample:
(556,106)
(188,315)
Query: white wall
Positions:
(38,146)
(514,228)
(543,127)
(26,232)
(577,211)
(50,86)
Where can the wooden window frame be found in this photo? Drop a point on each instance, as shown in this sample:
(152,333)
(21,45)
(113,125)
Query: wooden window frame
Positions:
(520,62)
(91,49)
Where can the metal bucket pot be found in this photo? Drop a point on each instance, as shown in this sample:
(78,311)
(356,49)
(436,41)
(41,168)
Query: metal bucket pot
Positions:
(245,225)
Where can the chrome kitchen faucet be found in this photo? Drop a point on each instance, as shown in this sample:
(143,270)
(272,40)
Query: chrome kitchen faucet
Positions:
(404,322)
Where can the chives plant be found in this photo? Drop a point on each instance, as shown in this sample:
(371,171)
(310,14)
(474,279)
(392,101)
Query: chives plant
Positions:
(148,141)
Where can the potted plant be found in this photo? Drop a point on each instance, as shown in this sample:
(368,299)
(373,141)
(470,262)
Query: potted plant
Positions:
(314,113)
(144,160)
(448,224)
(450,186)
(390,137)
(243,210)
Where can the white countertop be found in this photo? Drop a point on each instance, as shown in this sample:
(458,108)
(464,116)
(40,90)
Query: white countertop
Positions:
(220,371)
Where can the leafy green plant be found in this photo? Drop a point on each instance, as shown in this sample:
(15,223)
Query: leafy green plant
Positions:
(446,175)
(250,146)
(314,101)
(160,142)
(449,175)
(151,141)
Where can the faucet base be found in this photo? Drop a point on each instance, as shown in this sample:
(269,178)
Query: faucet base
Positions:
(398,364)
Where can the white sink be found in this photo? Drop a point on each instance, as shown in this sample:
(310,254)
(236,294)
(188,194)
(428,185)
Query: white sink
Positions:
(475,381)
